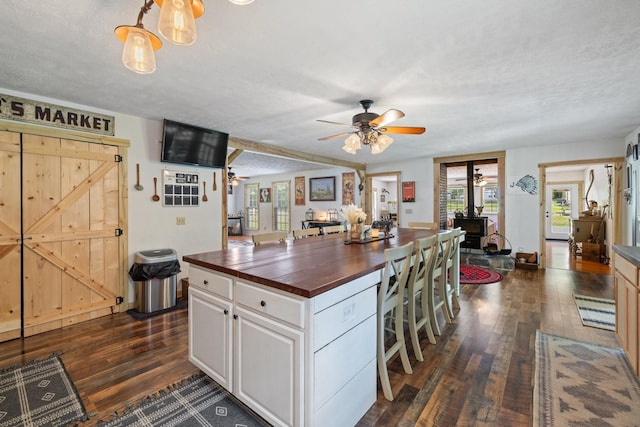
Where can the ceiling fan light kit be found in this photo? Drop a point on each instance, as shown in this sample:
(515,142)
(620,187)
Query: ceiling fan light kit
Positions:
(371,129)
(176,24)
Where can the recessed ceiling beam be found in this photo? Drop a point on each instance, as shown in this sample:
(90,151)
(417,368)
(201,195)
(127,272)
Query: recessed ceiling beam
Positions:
(234,155)
(268,149)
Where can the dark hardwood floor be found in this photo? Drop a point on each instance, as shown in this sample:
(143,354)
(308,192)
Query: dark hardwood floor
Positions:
(479,373)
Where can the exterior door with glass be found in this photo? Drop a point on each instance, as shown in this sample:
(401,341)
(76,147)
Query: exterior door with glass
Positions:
(562,203)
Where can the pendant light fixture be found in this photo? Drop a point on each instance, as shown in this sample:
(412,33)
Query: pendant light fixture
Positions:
(176,24)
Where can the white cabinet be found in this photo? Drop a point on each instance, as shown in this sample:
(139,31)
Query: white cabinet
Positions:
(295,361)
(268,367)
(210,331)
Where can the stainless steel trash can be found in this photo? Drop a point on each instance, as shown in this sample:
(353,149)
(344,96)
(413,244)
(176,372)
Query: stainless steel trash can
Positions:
(155,277)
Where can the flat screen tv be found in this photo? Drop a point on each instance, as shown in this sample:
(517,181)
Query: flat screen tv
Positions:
(192,145)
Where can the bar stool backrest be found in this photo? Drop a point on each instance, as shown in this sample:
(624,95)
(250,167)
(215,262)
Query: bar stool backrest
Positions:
(306,232)
(275,237)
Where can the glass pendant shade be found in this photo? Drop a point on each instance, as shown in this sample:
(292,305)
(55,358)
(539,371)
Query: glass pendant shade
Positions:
(177,23)
(139,45)
(241,2)
(353,141)
(385,140)
(349,149)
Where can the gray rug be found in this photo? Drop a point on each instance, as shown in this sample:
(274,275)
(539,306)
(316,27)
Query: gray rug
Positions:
(39,394)
(596,312)
(197,401)
(582,384)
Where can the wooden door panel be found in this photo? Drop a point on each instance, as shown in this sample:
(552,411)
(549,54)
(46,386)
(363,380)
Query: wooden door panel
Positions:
(10,288)
(71,258)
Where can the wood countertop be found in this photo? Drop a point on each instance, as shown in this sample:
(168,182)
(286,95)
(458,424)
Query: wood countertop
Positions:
(305,267)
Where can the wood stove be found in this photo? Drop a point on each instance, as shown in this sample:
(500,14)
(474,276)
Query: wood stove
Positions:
(476,229)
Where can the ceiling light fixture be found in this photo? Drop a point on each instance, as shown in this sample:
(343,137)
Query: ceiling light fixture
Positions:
(176,24)
(374,138)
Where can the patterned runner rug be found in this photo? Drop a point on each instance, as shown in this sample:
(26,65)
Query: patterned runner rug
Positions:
(578,383)
(39,394)
(197,401)
(597,312)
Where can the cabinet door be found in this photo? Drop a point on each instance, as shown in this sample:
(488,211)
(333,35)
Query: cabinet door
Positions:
(632,324)
(621,309)
(269,368)
(210,335)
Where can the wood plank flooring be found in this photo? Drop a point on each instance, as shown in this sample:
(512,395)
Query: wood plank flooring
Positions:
(479,373)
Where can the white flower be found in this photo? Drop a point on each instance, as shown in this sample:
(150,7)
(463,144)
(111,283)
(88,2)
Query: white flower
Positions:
(353,214)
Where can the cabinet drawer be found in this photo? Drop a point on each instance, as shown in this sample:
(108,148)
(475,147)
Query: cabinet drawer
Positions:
(268,302)
(337,319)
(210,281)
(627,269)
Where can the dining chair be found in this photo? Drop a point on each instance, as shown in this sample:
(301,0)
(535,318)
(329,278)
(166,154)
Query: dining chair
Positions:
(331,229)
(425,225)
(274,237)
(306,232)
(397,262)
(424,261)
(453,290)
(439,275)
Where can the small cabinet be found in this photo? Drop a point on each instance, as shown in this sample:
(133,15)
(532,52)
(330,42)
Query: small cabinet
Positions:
(627,294)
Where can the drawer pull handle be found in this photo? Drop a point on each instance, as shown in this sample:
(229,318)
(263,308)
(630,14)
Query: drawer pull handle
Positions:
(226,311)
(263,303)
(235,316)
(206,282)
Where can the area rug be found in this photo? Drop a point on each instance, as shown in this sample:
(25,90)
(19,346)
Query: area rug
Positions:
(197,401)
(180,303)
(597,312)
(39,394)
(577,383)
(472,275)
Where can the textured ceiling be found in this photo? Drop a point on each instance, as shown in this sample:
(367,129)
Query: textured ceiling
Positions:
(480,75)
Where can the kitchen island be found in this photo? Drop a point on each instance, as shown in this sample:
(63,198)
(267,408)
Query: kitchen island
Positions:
(290,328)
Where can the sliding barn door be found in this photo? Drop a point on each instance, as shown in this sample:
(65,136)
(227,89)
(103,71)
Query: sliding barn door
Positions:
(71,262)
(10,289)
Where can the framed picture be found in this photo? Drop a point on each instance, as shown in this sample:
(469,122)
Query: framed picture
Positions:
(265,195)
(322,189)
(409,191)
(299,190)
(382,198)
(348,187)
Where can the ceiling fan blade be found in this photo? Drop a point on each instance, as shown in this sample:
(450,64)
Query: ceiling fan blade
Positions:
(404,129)
(334,123)
(386,117)
(334,136)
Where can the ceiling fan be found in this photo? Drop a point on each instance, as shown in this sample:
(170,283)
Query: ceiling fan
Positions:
(371,129)
(233,179)
(479,180)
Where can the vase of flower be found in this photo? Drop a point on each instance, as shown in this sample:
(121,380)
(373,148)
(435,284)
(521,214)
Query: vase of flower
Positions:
(355,216)
(356,231)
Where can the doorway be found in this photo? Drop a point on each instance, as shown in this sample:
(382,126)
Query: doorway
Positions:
(384,198)
(562,176)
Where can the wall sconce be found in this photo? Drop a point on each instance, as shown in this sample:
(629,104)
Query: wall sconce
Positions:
(176,24)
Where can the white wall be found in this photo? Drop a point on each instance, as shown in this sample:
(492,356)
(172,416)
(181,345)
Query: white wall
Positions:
(151,225)
(297,212)
(522,226)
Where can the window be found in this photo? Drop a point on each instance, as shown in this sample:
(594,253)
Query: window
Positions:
(281,205)
(251,199)
(490,198)
(456,198)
